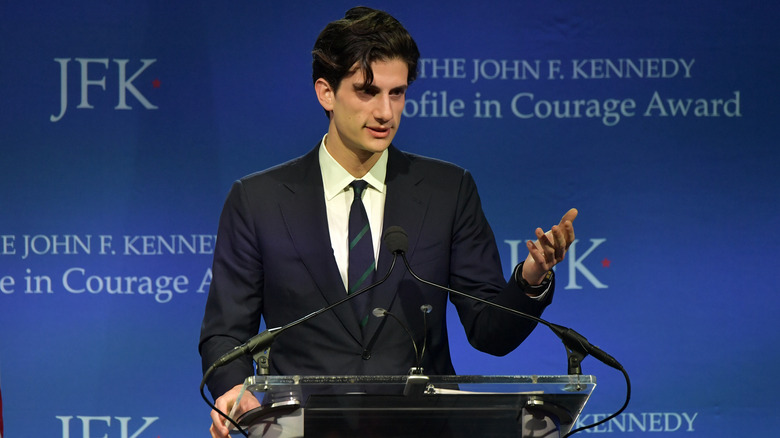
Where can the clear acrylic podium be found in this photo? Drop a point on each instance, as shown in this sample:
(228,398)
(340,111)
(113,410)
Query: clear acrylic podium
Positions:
(415,405)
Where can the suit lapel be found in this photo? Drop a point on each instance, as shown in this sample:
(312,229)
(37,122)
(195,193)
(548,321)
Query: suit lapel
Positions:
(406,203)
(311,238)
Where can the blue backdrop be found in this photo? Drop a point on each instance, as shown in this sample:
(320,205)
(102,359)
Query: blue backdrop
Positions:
(124,124)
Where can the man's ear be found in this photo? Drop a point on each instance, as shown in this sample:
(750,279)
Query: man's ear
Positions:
(325,94)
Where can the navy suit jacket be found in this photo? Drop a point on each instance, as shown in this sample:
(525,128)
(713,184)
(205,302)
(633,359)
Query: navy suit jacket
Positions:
(273,258)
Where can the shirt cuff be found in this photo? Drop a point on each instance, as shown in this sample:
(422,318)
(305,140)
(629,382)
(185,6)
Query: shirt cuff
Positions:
(537,292)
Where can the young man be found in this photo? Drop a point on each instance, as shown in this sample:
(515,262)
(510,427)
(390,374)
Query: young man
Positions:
(282,248)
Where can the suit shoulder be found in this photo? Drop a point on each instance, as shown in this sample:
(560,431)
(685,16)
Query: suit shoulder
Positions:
(271,172)
(436,172)
(435,165)
(288,172)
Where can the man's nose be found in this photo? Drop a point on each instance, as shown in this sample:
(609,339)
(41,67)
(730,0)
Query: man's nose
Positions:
(383,111)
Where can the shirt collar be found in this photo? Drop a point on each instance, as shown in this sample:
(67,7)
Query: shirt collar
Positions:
(335,178)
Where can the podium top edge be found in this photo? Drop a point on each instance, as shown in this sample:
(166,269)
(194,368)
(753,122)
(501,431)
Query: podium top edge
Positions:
(433,379)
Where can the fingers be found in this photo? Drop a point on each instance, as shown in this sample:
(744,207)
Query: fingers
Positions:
(559,243)
(551,247)
(568,231)
(224,403)
(542,250)
(215,433)
(535,250)
(569,216)
(566,226)
(218,428)
(553,244)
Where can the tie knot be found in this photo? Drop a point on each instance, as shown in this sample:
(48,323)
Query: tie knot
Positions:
(358,186)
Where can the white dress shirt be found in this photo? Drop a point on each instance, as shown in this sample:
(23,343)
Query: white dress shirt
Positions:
(338,200)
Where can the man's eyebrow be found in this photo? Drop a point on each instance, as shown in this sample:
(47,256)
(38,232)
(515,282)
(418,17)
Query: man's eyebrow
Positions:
(365,87)
(374,89)
(400,89)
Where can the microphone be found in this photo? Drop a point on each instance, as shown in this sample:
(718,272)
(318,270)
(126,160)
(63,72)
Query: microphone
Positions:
(381,313)
(417,382)
(425,309)
(576,344)
(396,240)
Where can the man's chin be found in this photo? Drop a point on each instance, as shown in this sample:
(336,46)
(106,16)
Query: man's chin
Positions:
(376,145)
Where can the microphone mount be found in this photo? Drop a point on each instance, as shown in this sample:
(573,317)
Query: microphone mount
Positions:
(380,313)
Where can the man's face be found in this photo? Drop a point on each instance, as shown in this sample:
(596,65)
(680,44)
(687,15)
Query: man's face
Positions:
(364,120)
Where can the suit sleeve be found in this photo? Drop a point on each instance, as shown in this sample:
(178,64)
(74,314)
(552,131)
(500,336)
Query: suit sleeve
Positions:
(234,304)
(475,268)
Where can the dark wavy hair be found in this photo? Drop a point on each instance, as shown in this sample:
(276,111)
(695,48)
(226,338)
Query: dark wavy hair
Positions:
(363,36)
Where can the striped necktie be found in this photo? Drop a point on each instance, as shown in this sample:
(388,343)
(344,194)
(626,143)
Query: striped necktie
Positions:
(361,252)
